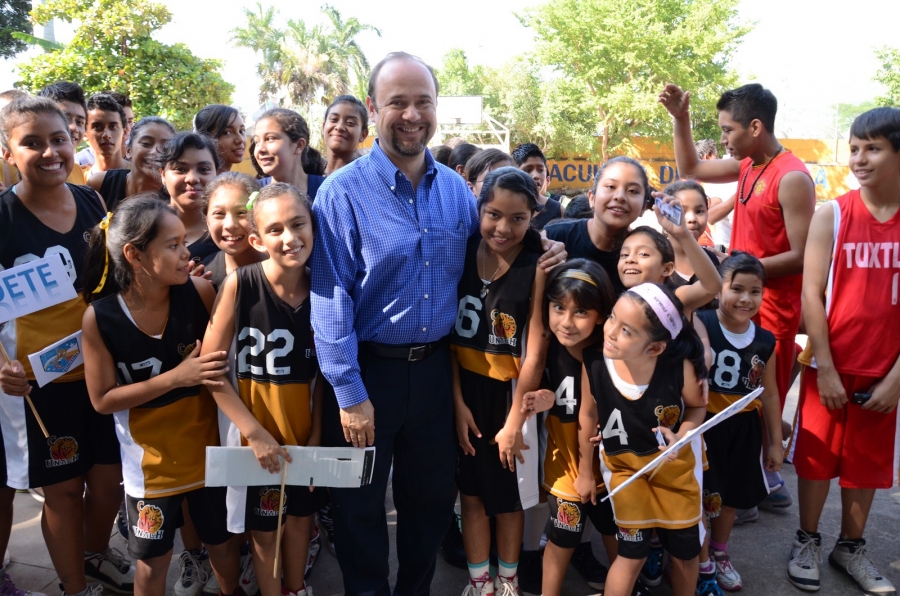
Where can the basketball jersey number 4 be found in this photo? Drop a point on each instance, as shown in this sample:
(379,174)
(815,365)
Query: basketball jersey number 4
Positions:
(565,395)
(615,428)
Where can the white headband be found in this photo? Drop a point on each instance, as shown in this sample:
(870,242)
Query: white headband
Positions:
(661,304)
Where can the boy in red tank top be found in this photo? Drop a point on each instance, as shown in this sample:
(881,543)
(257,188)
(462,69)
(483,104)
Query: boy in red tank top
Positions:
(847,419)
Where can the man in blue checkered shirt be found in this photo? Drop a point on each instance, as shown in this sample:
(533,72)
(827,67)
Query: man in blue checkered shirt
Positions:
(391,231)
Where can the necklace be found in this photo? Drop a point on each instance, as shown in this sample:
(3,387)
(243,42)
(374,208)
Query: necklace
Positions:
(741,196)
(487,282)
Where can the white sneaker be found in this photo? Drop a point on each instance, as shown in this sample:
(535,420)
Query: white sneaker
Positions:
(248,576)
(483,587)
(780,498)
(746,516)
(505,586)
(726,575)
(306,591)
(803,565)
(112,569)
(193,574)
(851,558)
(92,590)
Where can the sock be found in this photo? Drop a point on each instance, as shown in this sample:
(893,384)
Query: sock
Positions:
(852,544)
(507,570)
(535,522)
(707,567)
(479,572)
(284,591)
(719,547)
(81,593)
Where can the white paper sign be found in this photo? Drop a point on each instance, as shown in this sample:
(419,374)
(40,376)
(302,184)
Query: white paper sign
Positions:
(336,467)
(527,473)
(683,441)
(34,286)
(57,359)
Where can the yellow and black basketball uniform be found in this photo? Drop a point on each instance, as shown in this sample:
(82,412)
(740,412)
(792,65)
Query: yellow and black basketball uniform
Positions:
(487,339)
(670,502)
(567,512)
(163,441)
(275,368)
(736,475)
(79,436)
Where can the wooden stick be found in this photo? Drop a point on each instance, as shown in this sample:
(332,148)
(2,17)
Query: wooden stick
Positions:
(276,572)
(27,397)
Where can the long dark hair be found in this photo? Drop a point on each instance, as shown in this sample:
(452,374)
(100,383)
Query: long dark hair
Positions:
(598,296)
(514,180)
(136,222)
(176,146)
(296,128)
(686,345)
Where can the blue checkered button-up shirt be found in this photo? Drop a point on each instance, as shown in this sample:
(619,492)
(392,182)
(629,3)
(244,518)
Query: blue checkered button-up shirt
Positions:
(386,261)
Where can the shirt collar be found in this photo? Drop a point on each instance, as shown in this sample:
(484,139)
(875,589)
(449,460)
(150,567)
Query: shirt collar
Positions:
(389,172)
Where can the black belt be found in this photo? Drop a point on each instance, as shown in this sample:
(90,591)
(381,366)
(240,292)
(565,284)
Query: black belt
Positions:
(410,353)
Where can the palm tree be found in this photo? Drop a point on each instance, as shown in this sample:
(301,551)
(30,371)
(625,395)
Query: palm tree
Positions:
(261,36)
(347,50)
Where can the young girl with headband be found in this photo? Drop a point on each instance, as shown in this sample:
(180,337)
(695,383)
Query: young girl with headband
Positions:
(282,153)
(263,309)
(646,396)
(43,216)
(496,306)
(578,299)
(142,335)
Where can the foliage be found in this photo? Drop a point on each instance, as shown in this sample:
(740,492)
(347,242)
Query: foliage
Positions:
(616,55)
(847,113)
(302,65)
(13,19)
(889,76)
(113,50)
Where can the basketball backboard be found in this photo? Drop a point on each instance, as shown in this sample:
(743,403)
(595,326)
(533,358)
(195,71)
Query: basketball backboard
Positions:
(459,109)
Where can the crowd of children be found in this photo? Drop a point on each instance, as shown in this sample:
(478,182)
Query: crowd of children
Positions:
(193,314)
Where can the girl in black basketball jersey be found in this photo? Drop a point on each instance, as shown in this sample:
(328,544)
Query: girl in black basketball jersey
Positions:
(43,216)
(646,396)
(228,218)
(647,256)
(264,309)
(187,163)
(500,280)
(143,365)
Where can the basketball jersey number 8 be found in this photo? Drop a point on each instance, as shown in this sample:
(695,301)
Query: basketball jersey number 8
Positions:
(727,363)
(257,348)
(464,313)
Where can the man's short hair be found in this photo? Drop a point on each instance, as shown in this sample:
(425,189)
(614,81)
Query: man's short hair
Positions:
(106,103)
(707,148)
(121,99)
(65,91)
(748,103)
(526,150)
(399,56)
(879,122)
(12,95)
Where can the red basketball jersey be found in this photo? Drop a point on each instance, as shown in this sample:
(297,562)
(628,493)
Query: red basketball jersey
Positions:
(862,295)
(758,228)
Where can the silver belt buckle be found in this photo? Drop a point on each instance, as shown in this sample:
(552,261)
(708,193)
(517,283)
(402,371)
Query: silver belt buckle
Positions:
(417,353)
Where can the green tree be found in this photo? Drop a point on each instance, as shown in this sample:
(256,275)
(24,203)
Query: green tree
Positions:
(113,50)
(13,19)
(303,65)
(889,76)
(618,55)
(456,77)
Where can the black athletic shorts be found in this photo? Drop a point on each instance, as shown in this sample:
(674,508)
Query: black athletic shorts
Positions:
(567,520)
(482,475)
(79,436)
(152,522)
(261,510)
(735,477)
(682,544)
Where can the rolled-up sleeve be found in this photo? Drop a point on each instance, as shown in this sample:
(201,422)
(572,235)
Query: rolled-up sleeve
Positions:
(334,267)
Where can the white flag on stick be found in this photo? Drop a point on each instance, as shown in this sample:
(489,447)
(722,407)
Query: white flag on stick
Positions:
(336,467)
(677,445)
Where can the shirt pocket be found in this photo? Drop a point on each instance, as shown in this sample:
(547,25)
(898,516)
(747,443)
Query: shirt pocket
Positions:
(450,249)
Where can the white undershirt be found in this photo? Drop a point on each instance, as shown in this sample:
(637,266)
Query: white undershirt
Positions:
(628,390)
(130,318)
(740,340)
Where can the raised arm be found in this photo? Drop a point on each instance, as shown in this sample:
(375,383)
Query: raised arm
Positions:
(797,197)
(678,104)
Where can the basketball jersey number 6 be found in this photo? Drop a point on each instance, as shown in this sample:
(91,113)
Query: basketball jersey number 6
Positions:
(727,363)
(464,313)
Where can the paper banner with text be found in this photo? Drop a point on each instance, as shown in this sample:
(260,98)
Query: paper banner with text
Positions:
(335,467)
(683,441)
(34,286)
